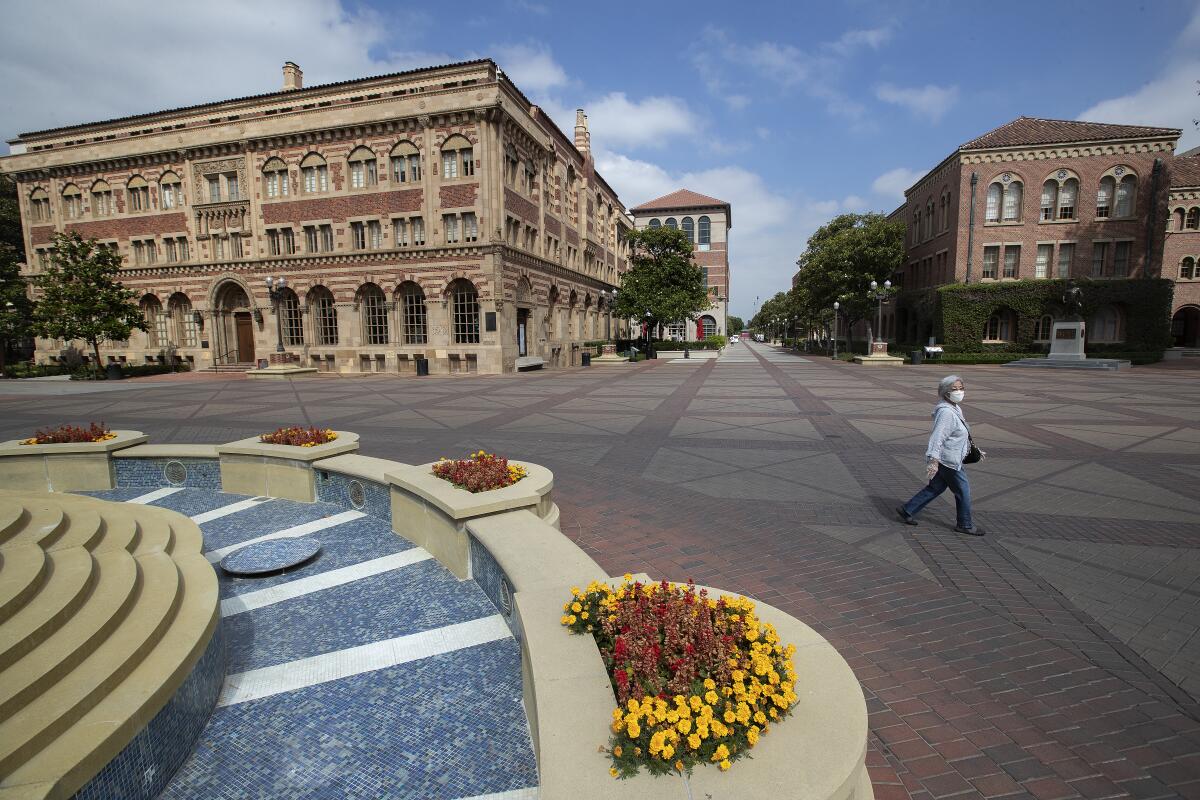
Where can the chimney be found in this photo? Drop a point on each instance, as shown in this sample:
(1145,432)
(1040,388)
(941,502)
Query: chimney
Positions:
(293,78)
(583,139)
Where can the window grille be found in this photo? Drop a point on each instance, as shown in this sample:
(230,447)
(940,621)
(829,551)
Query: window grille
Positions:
(1066,254)
(374,315)
(413,305)
(466,315)
(289,307)
(325,324)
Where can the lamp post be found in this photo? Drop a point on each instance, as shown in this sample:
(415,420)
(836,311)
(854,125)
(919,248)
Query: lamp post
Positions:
(7,324)
(648,334)
(879,294)
(275,287)
(836,306)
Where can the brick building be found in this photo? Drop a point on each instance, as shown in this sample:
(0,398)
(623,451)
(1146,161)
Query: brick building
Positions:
(1040,199)
(431,213)
(1181,252)
(706,221)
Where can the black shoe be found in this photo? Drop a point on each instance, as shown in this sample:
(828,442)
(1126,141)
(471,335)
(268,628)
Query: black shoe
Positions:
(905,518)
(969,531)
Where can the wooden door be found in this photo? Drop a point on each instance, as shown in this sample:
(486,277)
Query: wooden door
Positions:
(245,337)
(522,320)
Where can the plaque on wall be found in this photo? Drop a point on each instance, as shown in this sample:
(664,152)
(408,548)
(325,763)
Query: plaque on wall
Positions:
(1064,333)
(204,344)
(489,321)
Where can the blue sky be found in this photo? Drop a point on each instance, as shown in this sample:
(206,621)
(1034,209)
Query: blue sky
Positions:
(792,112)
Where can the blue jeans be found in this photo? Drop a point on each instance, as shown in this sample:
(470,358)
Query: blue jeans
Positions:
(953,479)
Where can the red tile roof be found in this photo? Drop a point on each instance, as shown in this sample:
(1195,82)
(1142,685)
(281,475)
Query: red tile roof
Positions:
(1033,130)
(684,198)
(1185,170)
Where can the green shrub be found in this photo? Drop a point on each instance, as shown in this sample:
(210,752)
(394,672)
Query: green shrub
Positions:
(27,369)
(86,373)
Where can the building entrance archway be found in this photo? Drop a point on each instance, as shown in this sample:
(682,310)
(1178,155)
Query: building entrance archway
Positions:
(233,325)
(1185,327)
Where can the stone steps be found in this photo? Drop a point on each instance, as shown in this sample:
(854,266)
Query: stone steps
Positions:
(104,610)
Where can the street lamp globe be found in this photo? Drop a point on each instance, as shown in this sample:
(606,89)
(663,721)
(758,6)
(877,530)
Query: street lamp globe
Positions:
(887,284)
(874,286)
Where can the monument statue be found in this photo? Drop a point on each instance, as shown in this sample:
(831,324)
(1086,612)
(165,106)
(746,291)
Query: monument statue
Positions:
(1072,300)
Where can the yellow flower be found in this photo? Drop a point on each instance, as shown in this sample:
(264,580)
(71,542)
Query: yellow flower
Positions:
(617,751)
(613,771)
(695,702)
(576,607)
(710,697)
(679,766)
(721,752)
(583,615)
(632,705)
(694,741)
(683,726)
(565,620)
(628,576)
(571,619)
(724,764)
(710,684)
(730,717)
(634,730)
(667,752)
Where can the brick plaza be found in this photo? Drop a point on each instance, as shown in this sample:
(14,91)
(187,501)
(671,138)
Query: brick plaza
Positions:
(1055,657)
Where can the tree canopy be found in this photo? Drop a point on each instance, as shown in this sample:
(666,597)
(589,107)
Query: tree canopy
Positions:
(79,296)
(734,324)
(663,279)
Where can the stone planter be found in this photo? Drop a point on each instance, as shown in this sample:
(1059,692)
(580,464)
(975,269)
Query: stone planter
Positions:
(81,466)
(433,513)
(251,467)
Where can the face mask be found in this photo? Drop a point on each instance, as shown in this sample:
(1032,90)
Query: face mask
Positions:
(957,396)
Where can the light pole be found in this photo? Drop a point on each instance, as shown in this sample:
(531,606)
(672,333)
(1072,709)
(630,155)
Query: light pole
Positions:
(648,356)
(836,306)
(879,294)
(275,287)
(7,324)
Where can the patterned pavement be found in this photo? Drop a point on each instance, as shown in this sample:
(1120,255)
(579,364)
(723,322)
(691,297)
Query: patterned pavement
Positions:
(1056,657)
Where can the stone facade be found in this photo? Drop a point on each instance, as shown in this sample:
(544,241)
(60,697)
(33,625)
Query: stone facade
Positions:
(707,221)
(434,213)
(1051,199)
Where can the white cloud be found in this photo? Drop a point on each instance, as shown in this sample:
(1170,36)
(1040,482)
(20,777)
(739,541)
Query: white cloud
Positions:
(1168,100)
(531,67)
(616,121)
(891,184)
(526,5)
(929,100)
(853,202)
(850,41)
(737,102)
(71,82)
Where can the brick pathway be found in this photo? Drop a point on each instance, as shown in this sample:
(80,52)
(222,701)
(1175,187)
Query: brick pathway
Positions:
(1056,657)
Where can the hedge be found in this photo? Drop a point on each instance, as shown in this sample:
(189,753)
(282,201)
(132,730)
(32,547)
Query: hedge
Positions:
(965,309)
(86,373)
(1004,358)
(25,369)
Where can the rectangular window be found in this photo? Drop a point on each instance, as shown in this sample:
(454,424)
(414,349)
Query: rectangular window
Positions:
(218,245)
(326,238)
(1041,269)
(100,203)
(139,254)
(399,233)
(312,244)
(1012,261)
(358,236)
(184,254)
(468,161)
(139,198)
(1066,254)
(316,179)
(1099,256)
(450,164)
(169,249)
(374,235)
(214,188)
(273,243)
(357,180)
(168,193)
(450,224)
(414,318)
(235,245)
(418,231)
(414,167)
(991,260)
(288,241)
(273,184)
(470,227)
(231,183)
(398,169)
(1121,259)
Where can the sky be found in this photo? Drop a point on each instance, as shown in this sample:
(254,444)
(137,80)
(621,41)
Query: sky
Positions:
(792,112)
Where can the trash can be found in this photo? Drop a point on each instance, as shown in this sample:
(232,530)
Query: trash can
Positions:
(587,359)
(633,351)
(422,366)
(113,372)
(918,356)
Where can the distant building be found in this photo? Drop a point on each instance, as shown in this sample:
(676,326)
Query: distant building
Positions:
(1053,199)
(434,213)
(706,221)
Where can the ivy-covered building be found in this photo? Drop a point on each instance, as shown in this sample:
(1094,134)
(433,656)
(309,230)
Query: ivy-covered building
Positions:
(996,230)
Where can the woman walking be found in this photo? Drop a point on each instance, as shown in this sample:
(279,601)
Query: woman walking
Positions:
(949,444)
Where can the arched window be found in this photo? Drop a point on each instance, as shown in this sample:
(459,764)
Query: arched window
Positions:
(708,326)
(138,192)
(654,223)
(512,164)
(101,199)
(156,322)
(170,191)
(1126,193)
(994,193)
(413,317)
(406,162)
(363,168)
(671,223)
(39,205)
(324,315)
(999,327)
(315,173)
(1187,269)
(689,228)
(929,220)
(72,200)
(1059,196)
(373,305)
(1193,218)
(1041,333)
(705,231)
(464,303)
(275,178)
(1105,326)
(183,321)
(289,309)
(1175,222)
(1104,197)
(1013,194)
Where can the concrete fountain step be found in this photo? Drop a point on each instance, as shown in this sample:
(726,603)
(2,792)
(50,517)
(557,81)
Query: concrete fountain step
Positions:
(104,610)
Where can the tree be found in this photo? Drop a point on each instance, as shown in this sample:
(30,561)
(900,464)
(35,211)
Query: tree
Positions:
(15,306)
(734,324)
(842,259)
(79,296)
(10,216)
(663,279)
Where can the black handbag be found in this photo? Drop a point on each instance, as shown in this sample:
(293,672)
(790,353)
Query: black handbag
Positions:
(975,454)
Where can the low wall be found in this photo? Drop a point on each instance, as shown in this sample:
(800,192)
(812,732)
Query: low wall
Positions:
(508,542)
(77,467)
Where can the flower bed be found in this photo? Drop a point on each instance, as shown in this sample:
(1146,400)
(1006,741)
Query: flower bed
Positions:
(697,680)
(71,434)
(299,437)
(479,473)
